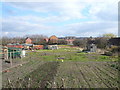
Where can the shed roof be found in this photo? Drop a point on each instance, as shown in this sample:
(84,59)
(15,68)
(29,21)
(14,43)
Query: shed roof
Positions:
(14,48)
(27,44)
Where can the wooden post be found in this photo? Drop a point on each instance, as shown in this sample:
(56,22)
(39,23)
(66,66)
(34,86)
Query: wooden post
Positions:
(7,54)
(21,56)
(11,59)
(13,54)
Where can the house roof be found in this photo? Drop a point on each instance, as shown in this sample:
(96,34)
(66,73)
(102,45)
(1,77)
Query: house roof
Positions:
(13,44)
(27,44)
(14,48)
(53,36)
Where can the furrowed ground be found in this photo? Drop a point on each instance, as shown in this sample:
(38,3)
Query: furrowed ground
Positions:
(64,68)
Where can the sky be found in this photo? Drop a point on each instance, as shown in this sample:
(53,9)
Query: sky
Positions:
(80,18)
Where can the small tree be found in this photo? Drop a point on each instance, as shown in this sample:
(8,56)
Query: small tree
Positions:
(79,42)
(109,35)
(101,42)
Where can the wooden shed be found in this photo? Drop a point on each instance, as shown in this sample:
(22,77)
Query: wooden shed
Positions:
(92,47)
(52,47)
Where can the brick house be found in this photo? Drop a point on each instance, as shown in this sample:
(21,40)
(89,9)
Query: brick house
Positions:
(28,41)
(53,39)
(46,39)
(70,40)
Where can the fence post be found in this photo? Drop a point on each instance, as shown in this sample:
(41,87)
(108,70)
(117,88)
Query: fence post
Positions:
(11,59)
(7,54)
(13,54)
(21,56)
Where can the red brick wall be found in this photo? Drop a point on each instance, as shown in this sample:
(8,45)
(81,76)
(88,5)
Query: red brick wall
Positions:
(70,41)
(28,41)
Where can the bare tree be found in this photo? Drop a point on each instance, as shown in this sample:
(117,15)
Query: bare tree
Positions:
(37,39)
(6,40)
(80,42)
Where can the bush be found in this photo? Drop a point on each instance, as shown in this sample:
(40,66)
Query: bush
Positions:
(81,43)
(101,42)
(114,49)
(116,66)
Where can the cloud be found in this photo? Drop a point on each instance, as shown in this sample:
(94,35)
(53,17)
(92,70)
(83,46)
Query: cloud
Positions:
(93,28)
(18,27)
(77,29)
(104,10)
(98,17)
(5,33)
(69,9)
(35,19)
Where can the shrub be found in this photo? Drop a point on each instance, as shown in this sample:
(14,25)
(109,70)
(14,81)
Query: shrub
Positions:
(114,49)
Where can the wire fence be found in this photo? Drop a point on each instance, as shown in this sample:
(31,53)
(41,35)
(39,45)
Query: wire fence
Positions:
(10,56)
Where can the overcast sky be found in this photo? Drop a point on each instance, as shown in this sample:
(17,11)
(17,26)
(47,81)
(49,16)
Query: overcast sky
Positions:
(66,18)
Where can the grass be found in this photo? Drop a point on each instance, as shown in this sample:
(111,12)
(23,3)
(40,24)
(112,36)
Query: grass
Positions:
(70,54)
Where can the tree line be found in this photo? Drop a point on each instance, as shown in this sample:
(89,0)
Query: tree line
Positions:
(101,42)
(36,39)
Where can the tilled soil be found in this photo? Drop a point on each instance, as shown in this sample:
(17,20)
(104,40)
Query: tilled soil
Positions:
(87,75)
(19,72)
(67,74)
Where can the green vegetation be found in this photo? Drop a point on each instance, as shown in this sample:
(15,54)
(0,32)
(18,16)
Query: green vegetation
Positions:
(45,69)
(116,66)
(109,35)
(70,54)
